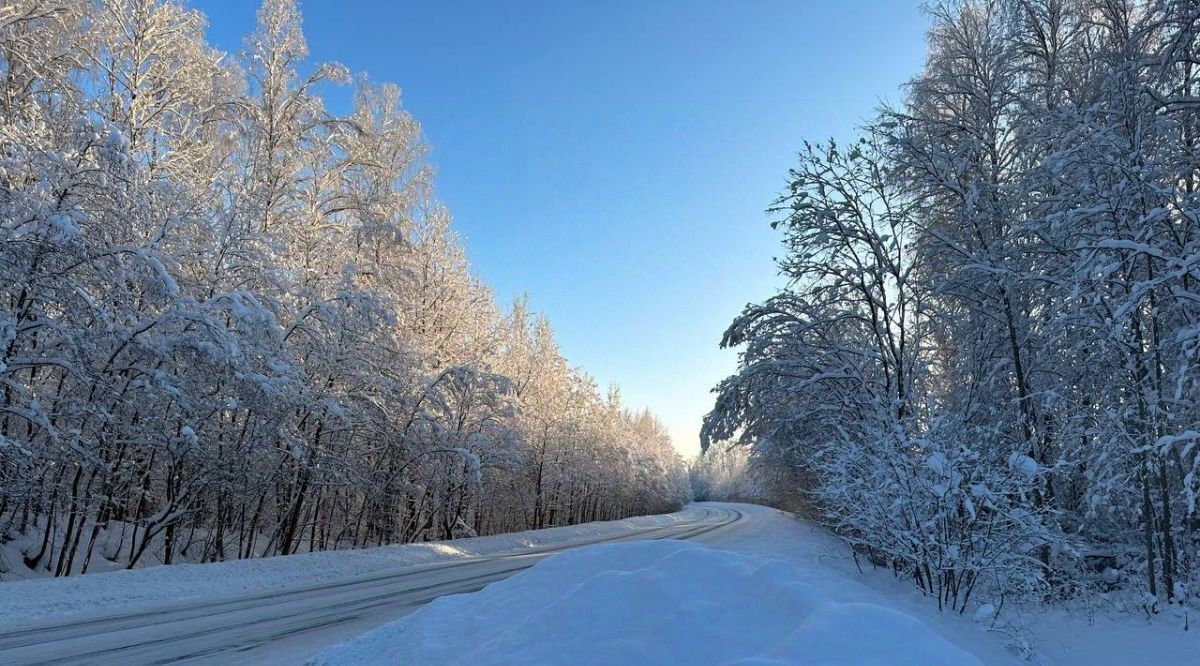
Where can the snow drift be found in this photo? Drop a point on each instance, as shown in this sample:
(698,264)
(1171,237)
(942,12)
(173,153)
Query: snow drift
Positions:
(655,602)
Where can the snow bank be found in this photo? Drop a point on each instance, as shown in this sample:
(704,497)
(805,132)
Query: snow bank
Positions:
(167,586)
(654,602)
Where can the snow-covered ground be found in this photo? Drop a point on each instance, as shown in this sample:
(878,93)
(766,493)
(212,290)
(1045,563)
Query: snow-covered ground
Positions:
(114,591)
(1059,636)
(769,590)
(652,602)
(763,589)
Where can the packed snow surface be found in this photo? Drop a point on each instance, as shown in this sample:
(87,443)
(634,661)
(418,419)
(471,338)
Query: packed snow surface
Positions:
(652,602)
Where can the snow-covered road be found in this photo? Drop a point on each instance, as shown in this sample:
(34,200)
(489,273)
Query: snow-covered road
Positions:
(284,625)
(678,598)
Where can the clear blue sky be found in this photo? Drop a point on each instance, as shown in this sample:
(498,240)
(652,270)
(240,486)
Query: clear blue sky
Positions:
(613,159)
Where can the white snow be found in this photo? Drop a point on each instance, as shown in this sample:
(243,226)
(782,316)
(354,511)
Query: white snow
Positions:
(776,573)
(1070,635)
(652,602)
(113,591)
(985,613)
(768,590)
(1023,465)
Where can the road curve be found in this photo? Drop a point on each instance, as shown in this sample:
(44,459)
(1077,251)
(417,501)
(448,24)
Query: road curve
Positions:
(282,626)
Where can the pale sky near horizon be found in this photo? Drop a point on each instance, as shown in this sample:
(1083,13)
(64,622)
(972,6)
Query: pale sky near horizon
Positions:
(614,159)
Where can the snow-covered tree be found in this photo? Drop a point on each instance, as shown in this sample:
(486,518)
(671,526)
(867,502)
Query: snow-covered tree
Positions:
(984,370)
(235,324)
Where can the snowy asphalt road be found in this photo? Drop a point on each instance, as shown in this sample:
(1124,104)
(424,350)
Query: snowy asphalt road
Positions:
(284,626)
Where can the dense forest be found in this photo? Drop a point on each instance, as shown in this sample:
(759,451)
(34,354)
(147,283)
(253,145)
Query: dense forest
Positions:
(983,369)
(237,324)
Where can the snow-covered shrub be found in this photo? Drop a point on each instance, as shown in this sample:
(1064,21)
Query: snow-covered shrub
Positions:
(942,509)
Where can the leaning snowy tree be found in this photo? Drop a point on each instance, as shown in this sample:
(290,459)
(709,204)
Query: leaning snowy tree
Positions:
(837,375)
